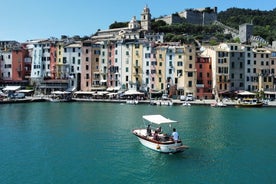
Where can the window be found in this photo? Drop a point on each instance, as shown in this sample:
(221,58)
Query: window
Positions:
(190,65)
(126,69)
(191,57)
(179,63)
(179,73)
(190,74)
(190,83)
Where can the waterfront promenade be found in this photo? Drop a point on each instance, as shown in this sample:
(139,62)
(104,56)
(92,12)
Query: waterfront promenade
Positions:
(207,102)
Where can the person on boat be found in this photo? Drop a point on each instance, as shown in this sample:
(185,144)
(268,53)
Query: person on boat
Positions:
(175,135)
(148,131)
(159,130)
(155,135)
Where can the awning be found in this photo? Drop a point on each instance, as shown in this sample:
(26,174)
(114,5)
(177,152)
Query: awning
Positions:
(158,119)
(25,91)
(84,92)
(270,92)
(133,92)
(11,88)
(246,93)
(110,89)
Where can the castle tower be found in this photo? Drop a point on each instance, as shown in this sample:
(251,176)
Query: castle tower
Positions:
(245,32)
(146,19)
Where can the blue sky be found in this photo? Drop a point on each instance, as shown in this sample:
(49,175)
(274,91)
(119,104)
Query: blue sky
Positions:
(23,20)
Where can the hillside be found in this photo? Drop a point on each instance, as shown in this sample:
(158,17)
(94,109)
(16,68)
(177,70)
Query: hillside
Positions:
(264,25)
(264,21)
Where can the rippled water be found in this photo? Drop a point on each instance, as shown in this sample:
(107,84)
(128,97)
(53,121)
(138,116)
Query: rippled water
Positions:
(92,143)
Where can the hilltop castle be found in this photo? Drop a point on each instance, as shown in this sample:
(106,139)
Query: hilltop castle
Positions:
(201,16)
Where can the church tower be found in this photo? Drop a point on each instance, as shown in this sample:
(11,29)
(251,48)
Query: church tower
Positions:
(146,19)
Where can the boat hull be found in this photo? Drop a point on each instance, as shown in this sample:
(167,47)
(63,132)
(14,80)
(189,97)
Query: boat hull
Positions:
(168,146)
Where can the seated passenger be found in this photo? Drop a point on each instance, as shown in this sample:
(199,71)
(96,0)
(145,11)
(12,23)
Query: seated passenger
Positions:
(159,130)
(155,136)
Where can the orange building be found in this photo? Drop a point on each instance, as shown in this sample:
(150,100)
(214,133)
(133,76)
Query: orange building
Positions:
(204,77)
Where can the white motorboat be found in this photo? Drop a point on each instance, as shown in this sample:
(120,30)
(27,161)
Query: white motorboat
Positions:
(160,142)
(186,104)
(162,102)
(218,104)
(132,102)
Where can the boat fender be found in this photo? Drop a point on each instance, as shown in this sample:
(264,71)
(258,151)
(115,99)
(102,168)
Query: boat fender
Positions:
(157,147)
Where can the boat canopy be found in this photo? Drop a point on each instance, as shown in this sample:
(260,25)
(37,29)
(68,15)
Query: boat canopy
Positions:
(158,119)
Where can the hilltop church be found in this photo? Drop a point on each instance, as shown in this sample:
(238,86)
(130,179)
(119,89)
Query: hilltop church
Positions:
(134,31)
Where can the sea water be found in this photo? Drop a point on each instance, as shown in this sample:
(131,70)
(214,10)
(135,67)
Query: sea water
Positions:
(92,143)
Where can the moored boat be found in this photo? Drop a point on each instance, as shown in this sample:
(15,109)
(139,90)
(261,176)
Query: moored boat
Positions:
(158,141)
(186,104)
(60,96)
(218,104)
(249,102)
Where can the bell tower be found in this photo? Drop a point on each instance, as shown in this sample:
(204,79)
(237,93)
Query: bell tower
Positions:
(146,19)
